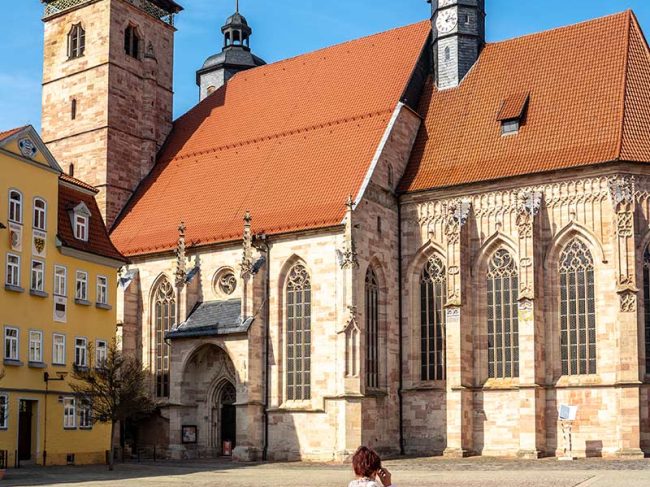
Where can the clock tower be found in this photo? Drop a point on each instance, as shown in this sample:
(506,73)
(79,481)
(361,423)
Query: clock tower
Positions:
(458,37)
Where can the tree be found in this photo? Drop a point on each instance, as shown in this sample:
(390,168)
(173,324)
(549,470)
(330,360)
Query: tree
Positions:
(116,389)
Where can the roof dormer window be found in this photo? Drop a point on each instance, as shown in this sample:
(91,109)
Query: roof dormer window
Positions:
(510,127)
(80,219)
(512,113)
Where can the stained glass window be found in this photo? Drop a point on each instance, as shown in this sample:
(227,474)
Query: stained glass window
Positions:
(298,334)
(372,330)
(164,317)
(432,320)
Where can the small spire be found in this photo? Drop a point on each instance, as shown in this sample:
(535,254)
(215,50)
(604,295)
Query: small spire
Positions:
(181,259)
(237,6)
(350,202)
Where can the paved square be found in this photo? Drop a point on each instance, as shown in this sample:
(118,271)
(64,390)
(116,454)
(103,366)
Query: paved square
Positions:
(476,472)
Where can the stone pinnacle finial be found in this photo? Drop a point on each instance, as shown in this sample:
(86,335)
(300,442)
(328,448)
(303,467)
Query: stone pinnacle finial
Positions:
(181,259)
(350,202)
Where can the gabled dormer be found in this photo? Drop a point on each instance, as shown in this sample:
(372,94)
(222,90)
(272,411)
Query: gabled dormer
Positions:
(80,219)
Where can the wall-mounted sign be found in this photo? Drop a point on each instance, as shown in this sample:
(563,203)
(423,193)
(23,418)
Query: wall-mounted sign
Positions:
(60,309)
(27,148)
(38,243)
(189,434)
(16,237)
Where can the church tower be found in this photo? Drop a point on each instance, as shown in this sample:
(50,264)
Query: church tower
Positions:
(107,91)
(458,37)
(235,56)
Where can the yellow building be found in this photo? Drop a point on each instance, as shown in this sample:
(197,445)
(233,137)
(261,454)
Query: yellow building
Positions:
(57,304)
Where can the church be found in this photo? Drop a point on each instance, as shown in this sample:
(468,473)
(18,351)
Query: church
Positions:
(418,240)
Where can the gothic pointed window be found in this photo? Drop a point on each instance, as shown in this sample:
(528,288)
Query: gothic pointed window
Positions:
(76,41)
(646,306)
(502,316)
(132,42)
(372,330)
(577,310)
(432,320)
(164,311)
(298,311)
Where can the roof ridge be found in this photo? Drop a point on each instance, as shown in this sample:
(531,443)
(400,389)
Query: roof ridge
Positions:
(277,135)
(562,27)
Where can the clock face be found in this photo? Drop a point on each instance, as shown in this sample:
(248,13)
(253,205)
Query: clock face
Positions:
(446,21)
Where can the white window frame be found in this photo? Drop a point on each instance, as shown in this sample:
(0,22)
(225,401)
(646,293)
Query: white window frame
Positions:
(4,408)
(101,353)
(12,271)
(35,349)
(77,349)
(14,354)
(69,413)
(102,290)
(81,277)
(39,215)
(55,358)
(33,274)
(85,415)
(60,288)
(81,227)
(15,207)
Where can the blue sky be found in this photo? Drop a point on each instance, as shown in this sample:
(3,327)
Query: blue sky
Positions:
(282,28)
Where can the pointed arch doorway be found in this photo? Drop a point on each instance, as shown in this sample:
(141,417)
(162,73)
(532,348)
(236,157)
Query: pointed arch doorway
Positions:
(224,418)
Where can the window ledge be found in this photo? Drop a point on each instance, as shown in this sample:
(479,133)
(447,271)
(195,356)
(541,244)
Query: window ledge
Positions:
(12,363)
(103,306)
(376,392)
(80,368)
(36,365)
(38,294)
(70,428)
(14,289)
(58,365)
(86,428)
(82,302)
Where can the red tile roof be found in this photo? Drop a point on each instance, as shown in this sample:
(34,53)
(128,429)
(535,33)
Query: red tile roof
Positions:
(78,182)
(287,141)
(589,88)
(98,242)
(9,133)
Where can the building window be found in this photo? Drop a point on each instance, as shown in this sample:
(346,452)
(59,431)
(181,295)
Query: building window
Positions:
(73,110)
(432,320)
(164,317)
(502,315)
(15,206)
(38,276)
(76,41)
(58,349)
(81,227)
(132,42)
(298,301)
(646,306)
(69,413)
(85,415)
(372,329)
(11,343)
(60,281)
(36,346)
(81,291)
(81,352)
(447,54)
(510,127)
(13,270)
(4,411)
(101,353)
(390,176)
(40,214)
(577,310)
(102,290)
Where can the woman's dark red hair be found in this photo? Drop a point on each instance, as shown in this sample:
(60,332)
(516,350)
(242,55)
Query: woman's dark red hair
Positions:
(365,462)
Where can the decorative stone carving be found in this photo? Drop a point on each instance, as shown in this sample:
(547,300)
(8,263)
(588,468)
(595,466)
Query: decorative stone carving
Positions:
(347,256)
(529,204)
(457,215)
(181,258)
(246,265)
(628,302)
(352,333)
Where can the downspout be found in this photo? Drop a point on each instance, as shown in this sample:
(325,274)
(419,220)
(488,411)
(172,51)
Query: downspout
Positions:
(267,328)
(400,313)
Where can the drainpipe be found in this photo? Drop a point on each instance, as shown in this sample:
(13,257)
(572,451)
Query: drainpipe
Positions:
(400,313)
(264,245)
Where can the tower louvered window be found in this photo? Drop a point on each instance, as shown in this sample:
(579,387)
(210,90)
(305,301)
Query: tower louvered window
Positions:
(76,41)
(298,334)
(577,310)
(132,42)
(646,306)
(502,315)
(372,330)
(432,320)
(164,317)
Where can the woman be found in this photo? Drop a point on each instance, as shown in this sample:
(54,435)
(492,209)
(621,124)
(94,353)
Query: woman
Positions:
(367,467)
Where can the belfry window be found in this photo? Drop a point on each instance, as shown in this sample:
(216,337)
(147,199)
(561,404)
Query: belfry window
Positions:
(298,298)
(163,320)
(132,42)
(76,42)
(432,320)
(502,315)
(372,329)
(646,306)
(577,310)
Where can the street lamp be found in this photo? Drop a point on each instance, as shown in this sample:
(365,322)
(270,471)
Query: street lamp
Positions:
(47,379)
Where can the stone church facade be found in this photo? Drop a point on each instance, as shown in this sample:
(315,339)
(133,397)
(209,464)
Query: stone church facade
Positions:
(446,239)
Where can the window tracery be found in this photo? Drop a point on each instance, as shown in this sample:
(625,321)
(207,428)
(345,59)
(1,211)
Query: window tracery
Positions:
(432,319)
(298,312)
(372,329)
(164,318)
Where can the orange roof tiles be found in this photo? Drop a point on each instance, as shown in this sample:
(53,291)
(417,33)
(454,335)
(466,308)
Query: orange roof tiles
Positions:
(9,133)
(513,107)
(589,88)
(287,141)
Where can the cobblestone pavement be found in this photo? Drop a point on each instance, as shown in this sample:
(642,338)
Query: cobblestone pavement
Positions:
(473,472)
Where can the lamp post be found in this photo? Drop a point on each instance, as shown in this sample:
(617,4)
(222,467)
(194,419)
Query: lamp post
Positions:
(47,379)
